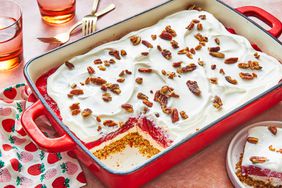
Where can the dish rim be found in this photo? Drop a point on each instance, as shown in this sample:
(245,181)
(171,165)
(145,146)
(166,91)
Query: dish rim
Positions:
(154,158)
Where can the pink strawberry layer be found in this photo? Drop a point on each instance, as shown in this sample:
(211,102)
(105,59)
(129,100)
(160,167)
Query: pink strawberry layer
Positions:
(142,122)
(256,171)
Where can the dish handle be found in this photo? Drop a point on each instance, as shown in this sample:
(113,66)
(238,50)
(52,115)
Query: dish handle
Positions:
(266,17)
(59,144)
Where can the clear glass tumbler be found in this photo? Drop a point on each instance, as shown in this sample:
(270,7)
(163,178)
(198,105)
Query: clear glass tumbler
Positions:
(11,37)
(56,11)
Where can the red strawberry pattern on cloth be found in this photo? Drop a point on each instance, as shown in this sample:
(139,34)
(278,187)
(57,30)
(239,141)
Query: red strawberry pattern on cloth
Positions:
(22,163)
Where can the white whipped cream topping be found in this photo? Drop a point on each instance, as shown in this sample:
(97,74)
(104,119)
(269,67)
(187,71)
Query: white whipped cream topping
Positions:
(199,109)
(261,149)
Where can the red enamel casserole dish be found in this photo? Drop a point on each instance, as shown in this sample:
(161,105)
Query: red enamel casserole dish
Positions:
(236,19)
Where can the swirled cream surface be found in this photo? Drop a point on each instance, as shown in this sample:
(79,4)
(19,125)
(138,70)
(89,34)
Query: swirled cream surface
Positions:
(199,108)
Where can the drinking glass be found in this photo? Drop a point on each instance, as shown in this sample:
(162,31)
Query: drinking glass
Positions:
(11,37)
(56,11)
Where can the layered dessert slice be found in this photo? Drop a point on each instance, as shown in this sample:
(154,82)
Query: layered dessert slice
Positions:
(261,164)
(179,75)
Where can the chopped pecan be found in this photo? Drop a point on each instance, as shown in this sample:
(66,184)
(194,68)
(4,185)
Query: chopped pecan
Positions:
(160,98)
(174,115)
(192,50)
(231,80)
(243,65)
(122,73)
(202,17)
(201,38)
(142,96)
(109,123)
(123,53)
(183,51)
(98,118)
(195,21)
(144,53)
(90,70)
(213,80)
(198,47)
(99,128)
(166,35)
(147,44)
(107,97)
(88,80)
(114,88)
(75,112)
(188,54)
(112,61)
(231,60)
(164,90)
(98,61)
(74,106)
(135,40)
(101,68)
(193,87)
(246,76)
(217,41)
(166,53)
(170,30)
(107,63)
(256,159)
(114,53)
(139,80)
(217,54)
(201,63)
(256,55)
(171,75)
(145,70)
(183,115)
(217,102)
(214,49)
(174,44)
(147,103)
(252,140)
(177,64)
(120,80)
(128,72)
(254,65)
(76,92)
(98,81)
(273,129)
(69,65)
(86,112)
(190,26)
(221,71)
(127,107)
(166,110)
(189,68)
(154,37)
(70,95)
(213,66)
(163,72)
(271,148)
(73,86)
(200,27)
(159,48)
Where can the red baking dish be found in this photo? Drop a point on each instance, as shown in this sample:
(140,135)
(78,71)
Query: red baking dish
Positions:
(67,141)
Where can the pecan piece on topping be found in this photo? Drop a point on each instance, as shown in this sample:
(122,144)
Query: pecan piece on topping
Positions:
(86,112)
(231,80)
(109,123)
(193,87)
(74,106)
(243,65)
(147,103)
(107,63)
(99,128)
(73,86)
(114,53)
(75,112)
(135,40)
(145,53)
(139,80)
(199,27)
(202,17)
(231,60)
(190,26)
(217,54)
(217,102)
(127,107)
(166,53)
(183,51)
(188,54)
(147,44)
(145,70)
(183,115)
(271,148)
(90,70)
(166,110)
(201,63)
(195,21)
(154,37)
(221,71)
(114,88)
(128,71)
(192,50)
(70,95)
(256,159)
(112,61)
(107,97)
(217,41)
(252,140)
(69,65)
(174,44)
(164,90)
(256,55)
(160,98)
(123,53)
(98,81)
(189,68)
(163,72)
(246,76)
(141,96)
(88,80)
(101,68)
(198,47)
(159,48)
(214,49)
(174,115)
(166,35)
(201,38)
(177,64)
(213,80)
(273,129)
(120,80)
(171,75)
(77,92)
(170,30)
(122,73)
(98,118)
(97,61)
(213,66)
(254,65)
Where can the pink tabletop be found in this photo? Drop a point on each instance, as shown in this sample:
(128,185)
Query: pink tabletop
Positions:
(205,169)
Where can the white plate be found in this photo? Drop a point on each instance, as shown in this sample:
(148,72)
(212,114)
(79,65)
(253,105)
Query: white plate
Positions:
(236,147)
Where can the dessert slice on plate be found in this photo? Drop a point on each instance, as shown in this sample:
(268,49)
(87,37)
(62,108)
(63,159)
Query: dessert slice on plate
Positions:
(261,162)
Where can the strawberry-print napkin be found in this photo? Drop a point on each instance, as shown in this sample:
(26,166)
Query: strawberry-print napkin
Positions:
(22,164)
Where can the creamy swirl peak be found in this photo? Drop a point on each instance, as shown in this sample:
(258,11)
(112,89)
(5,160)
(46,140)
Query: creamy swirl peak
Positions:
(182,73)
